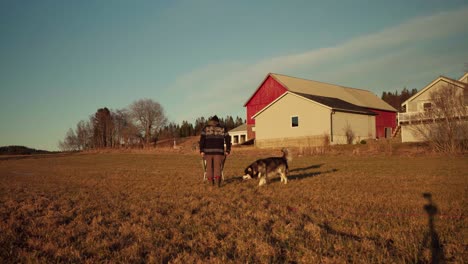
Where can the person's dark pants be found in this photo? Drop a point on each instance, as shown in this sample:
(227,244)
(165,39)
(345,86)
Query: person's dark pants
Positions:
(213,167)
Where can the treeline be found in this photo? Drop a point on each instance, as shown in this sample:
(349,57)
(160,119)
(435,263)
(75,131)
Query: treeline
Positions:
(142,124)
(396,99)
(20,150)
(187,129)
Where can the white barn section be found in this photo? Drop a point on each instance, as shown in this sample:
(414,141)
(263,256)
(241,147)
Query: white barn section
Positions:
(295,119)
(238,134)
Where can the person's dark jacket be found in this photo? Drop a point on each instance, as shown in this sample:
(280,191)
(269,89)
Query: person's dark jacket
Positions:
(213,137)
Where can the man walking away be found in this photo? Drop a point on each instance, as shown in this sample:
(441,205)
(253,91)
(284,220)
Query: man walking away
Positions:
(215,145)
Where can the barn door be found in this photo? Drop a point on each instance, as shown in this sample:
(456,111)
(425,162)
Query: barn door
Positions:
(388,132)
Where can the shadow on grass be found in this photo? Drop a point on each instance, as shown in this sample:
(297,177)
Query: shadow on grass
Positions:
(431,238)
(290,177)
(233,179)
(303,175)
(307,168)
(387,244)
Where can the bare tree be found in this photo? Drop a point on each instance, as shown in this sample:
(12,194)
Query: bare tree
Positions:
(84,134)
(149,116)
(125,132)
(70,143)
(444,124)
(121,119)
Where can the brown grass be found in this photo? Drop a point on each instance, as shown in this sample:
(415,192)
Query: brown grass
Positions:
(154,208)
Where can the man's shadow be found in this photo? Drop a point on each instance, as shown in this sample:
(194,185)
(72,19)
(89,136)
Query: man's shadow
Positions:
(431,239)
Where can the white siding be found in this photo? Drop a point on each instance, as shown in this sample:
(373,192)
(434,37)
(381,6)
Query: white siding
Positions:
(363,127)
(274,123)
(416,103)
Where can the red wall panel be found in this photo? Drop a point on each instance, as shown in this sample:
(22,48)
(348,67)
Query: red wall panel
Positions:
(382,120)
(267,93)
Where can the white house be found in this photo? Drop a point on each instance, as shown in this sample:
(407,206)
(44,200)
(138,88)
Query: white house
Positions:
(420,103)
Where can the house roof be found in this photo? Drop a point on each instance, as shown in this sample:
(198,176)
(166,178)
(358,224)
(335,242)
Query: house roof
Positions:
(328,102)
(240,128)
(354,96)
(440,78)
(464,77)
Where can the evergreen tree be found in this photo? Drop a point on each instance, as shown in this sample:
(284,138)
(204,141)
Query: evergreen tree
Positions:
(102,128)
(186,129)
(396,99)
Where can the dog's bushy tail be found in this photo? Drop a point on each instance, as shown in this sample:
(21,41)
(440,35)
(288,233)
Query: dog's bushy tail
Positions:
(287,154)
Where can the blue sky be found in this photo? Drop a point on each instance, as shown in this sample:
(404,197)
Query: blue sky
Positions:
(62,60)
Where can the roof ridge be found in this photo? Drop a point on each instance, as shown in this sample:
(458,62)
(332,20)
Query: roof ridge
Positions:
(316,98)
(358,96)
(342,86)
(453,80)
(441,77)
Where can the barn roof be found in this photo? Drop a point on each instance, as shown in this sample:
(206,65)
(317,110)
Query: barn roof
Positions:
(358,97)
(337,104)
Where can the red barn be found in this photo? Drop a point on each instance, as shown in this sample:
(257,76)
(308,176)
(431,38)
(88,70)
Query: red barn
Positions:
(275,85)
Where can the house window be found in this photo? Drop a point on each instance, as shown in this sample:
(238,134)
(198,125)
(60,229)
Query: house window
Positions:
(242,140)
(295,121)
(236,139)
(427,106)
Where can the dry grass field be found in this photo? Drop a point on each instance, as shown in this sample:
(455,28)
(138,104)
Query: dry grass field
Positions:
(154,208)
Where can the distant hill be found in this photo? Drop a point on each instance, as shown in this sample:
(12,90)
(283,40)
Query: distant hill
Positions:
(20,150)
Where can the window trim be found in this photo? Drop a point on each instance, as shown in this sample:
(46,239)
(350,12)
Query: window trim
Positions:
(429,104)
(292,123)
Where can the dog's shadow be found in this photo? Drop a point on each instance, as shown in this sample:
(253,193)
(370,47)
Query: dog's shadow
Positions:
(291,176)
(307,168)
(303,175)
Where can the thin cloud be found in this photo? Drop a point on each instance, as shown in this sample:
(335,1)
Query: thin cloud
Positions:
(232,83)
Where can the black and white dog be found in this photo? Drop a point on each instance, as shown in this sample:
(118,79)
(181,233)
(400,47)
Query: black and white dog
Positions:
(268,167)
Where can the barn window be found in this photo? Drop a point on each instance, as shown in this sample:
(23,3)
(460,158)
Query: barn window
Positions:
(295,121)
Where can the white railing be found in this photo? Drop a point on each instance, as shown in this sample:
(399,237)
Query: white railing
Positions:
(408,117)
(420,116)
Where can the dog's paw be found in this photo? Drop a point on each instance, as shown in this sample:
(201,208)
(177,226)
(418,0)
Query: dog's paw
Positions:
(246,177)
(262,182)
